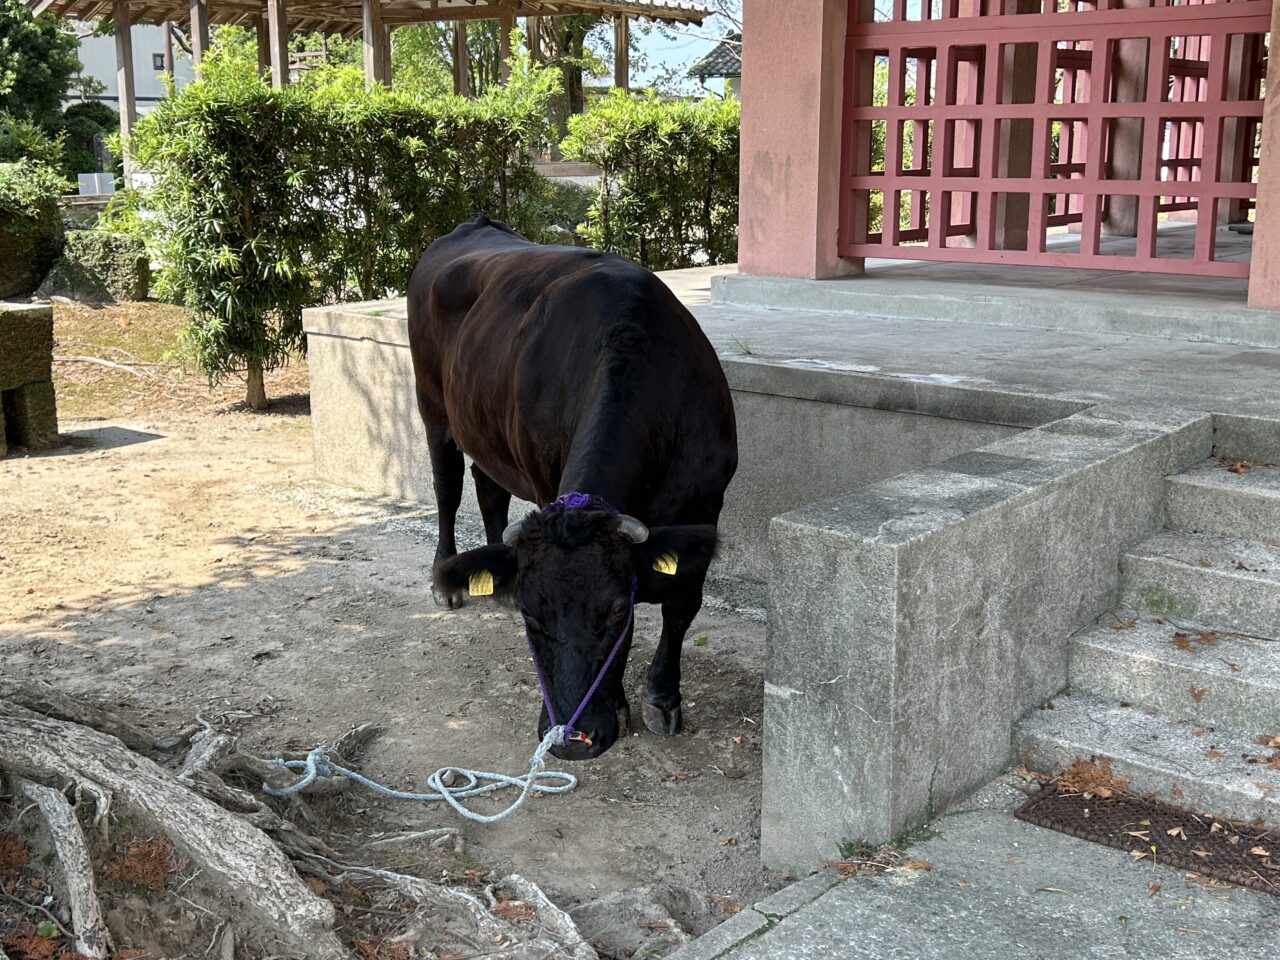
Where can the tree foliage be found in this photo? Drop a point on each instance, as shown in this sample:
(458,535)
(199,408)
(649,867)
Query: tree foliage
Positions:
(668,194)
(269,200)
(37,61)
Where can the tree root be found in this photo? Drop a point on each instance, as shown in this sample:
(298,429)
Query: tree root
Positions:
(92,939)
(237,859)
(250,851)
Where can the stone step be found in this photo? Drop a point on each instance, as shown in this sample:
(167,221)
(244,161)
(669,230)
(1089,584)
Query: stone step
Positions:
(1200,578)
(1172,760)
(1210,498)
(1204,676)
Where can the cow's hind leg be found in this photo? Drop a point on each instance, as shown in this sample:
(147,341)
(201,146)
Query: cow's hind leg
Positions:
(495,505)
(447,474)
(662,692)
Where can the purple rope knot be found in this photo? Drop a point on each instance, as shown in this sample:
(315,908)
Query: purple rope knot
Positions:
(578,501)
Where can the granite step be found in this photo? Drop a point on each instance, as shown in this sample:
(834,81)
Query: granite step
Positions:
(1201,578)
(1211,498)
(1205,676)
(1196,767)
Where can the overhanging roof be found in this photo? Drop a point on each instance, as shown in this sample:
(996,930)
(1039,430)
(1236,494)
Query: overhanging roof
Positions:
(724,60)
(345,16)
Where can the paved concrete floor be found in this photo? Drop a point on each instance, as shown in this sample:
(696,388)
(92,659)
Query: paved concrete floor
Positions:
(1000,888)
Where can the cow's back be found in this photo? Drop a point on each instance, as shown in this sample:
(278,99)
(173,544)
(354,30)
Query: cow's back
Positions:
(547,359)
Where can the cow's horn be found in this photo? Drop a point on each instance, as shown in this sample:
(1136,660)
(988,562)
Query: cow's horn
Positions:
(632,529)
(512,533)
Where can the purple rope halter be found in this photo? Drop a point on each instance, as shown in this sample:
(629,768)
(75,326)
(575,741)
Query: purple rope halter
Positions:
(580,501)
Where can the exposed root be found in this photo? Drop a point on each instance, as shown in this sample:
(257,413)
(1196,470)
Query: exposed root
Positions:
(92,939)
(42,697)
(236,858)
(250,852)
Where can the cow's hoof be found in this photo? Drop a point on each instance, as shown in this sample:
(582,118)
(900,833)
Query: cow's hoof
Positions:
(665,723)
(624,720)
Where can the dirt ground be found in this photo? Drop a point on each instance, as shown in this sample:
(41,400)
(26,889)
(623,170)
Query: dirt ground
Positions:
(176,558)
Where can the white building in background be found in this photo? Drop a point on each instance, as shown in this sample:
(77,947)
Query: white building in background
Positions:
(98,54)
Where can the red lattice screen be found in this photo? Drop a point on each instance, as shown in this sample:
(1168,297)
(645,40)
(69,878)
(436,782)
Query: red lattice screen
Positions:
(973,127)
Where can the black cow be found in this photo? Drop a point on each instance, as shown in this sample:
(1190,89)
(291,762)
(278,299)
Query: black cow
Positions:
(560,370)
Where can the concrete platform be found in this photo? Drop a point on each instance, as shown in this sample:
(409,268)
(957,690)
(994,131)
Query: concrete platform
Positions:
(1000,888)
(1174,305)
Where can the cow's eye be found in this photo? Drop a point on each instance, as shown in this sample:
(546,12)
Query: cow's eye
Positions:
(619,608)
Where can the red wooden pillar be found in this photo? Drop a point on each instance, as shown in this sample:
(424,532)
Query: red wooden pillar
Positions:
(792,100)
(1264,264)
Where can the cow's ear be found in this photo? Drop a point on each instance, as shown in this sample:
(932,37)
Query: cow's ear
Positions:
(672,560)
(487,572)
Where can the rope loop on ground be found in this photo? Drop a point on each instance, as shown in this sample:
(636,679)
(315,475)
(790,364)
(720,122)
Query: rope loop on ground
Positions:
(473,783)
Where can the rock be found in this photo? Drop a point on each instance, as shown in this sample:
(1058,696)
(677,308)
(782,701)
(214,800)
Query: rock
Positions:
(644,922)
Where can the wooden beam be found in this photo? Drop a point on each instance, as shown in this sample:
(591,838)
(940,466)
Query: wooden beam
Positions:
(622,52)
(199,30)
(506,23)
(278,42)
(377,46)
(124,77)
(1264,259)
(461,60)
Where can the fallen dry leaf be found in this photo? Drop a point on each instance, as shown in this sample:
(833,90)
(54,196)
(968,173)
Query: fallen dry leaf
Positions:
(1260,851)
(1213,753)
(1085,776)
(1153,888)
(1197,693)
(918,865)
(1127,624)
(727,905)
(1268,741)
(1177,832)
(1187,930)
(731,842)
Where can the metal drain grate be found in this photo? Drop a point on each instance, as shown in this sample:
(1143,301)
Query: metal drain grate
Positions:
(1225,850)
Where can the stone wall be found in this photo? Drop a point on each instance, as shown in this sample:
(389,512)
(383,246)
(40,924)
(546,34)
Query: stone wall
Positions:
(804,434)
(912,622)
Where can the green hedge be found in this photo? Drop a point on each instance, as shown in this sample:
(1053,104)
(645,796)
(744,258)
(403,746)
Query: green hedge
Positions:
(668,196)
(99,266)
(267,200)
(31,234)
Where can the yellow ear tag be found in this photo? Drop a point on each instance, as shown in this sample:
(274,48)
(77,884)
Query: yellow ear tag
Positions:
(481,584)
(666,563)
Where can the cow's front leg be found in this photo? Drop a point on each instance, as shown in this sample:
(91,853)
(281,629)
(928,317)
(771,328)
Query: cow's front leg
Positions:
(447,473)
(662,692)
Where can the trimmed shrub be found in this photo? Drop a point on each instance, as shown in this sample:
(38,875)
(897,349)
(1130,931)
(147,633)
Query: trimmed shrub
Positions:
(668,194)
(31,234)
(98,266)
(81,123)
(268,200)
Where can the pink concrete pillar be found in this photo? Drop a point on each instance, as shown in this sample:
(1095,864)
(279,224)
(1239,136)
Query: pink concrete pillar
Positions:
(792,95)
(1264,264)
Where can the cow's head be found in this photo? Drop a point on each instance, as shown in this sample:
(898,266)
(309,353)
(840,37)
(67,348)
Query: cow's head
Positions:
(570,571)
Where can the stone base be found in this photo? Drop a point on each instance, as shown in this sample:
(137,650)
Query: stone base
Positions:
(29,416)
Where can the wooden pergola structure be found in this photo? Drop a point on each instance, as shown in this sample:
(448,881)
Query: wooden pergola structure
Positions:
(275,20)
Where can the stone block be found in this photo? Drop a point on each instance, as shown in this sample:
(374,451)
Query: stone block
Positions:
(913,622)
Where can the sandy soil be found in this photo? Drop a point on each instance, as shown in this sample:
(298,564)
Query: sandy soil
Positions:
(185,563)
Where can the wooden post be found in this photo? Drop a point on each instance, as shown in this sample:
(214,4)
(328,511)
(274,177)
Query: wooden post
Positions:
(199,31)
(167,29)
(506,23)
(376,45)
(124,77)
(622,52)
(461,60)
(278,42)
(264,45)
(534,39)
(1264,261)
